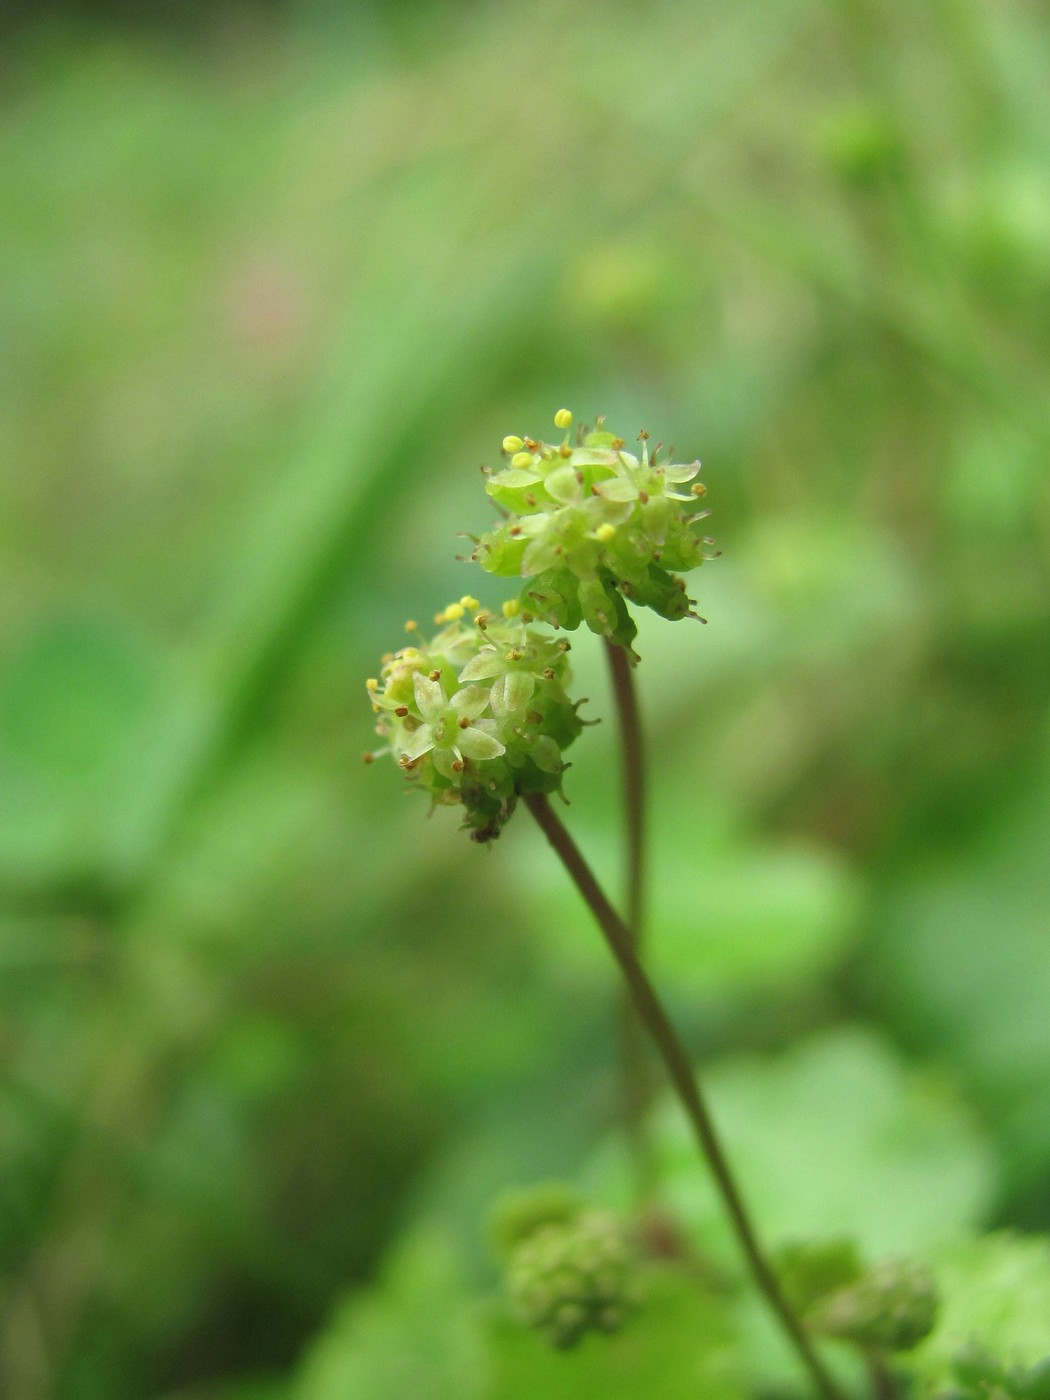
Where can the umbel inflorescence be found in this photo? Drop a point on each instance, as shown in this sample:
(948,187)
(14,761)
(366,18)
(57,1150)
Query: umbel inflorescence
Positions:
(590,525)
(480,714)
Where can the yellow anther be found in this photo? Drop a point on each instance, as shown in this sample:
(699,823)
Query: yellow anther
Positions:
(512,444)
(563,418)
(605,532)
(521,459)
(511,608)
(371,683)
(454,612)
(411,626)
(468,602)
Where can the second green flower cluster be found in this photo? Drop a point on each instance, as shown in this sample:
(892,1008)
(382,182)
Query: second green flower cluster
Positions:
(479,714)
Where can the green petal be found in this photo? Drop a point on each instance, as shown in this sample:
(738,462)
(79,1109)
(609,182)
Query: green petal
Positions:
(475,743)
(618,488)
(592,456)
(482,667)
(546,754)
(564,485)
(512,691)
(443,759)
(539,556)
(681,472)
(514,476)
(430,696)
(471,702)
(418,743)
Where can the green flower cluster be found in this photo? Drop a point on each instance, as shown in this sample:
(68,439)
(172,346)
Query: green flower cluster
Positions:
(979,1376)
(892,1307)
(590,525)
(570,1277)
(477,715)
(887,1307)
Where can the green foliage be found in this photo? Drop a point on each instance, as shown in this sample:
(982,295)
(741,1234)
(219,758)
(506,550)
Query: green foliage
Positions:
(995,1303)
(421,1329)
(682,1339)
(414,1336)
(966,949)
(979,1376)
(810,1270)
(734,914)
(834,1135)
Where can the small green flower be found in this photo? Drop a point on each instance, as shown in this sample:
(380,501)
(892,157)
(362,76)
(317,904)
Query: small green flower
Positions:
(478,715)
(574,1276)
(591,525)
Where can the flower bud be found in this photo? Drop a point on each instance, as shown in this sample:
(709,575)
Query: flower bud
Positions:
(519,1214)
(891,1307)
(569,1278)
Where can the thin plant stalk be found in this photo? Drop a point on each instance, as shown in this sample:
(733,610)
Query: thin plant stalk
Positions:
(883,1385)
(635,1074)
(651,1011)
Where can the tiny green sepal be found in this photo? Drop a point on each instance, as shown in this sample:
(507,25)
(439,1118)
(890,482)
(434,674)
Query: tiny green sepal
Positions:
(478,715)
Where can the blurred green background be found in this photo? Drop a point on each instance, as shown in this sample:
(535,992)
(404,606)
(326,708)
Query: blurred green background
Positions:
(274,281)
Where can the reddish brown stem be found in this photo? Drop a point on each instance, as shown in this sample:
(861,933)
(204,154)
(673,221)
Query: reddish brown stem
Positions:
(664,1037)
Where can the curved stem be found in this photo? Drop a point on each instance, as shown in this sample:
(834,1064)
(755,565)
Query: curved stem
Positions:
(636,1087)
(651,1011)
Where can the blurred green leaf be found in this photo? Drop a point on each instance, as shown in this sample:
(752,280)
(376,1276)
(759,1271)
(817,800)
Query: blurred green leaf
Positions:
(834,1137)
(964,961)
(681,1343)
(732,914)
(75,708)
(416,1334)
(995,1294)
